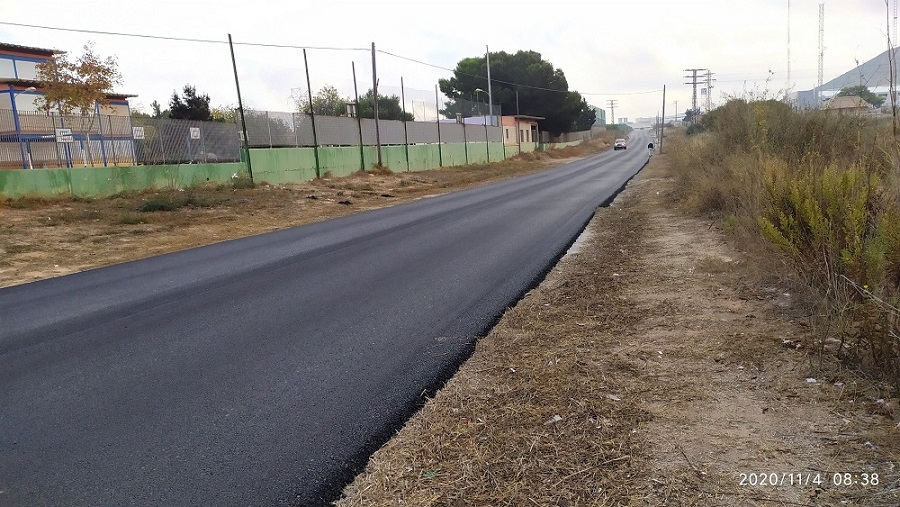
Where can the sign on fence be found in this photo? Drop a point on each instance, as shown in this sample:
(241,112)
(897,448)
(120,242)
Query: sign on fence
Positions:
(195,132)
(64,136)
(137,132)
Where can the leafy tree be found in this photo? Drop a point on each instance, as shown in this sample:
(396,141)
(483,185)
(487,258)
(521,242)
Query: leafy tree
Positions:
(78,85)
(543,89)
(157,112)
(224,114)
(690,115)
(326,102)
(389,107)
(864,93)
(191,107)
(586,118)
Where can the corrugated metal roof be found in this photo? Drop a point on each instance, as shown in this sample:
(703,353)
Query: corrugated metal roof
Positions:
(24,83)
(28,49)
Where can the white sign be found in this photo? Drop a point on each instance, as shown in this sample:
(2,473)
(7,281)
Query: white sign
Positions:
(64,136)
(137,132)
(241,134)
(195,132)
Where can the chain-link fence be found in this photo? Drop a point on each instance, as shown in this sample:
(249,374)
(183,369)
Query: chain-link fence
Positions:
(455,121)
(33,139)
(168,141)
(37,139)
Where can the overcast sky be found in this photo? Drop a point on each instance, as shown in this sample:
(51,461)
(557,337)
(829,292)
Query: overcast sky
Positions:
(609,50)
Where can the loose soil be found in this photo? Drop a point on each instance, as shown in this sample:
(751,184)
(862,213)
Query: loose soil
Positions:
(654,366)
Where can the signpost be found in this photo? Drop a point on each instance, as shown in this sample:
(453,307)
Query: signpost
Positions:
(64,136)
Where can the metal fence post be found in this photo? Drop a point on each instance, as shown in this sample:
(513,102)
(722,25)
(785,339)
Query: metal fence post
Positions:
(312,116)
(465,141)
(437,108)
(405,131)
(362,156)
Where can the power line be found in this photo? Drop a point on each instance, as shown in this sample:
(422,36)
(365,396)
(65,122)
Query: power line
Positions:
(180,39)
(290,46)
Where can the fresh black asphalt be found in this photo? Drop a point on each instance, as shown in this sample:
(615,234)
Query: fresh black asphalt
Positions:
(265,370)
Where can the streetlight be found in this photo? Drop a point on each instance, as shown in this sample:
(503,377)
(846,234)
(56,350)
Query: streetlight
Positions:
(19,125)
(477,91)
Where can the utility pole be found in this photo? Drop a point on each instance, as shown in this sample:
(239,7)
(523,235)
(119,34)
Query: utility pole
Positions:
(612,107)
(709,87)
(676,110)
(245,142)
(662,126)
(375,100)
(487,56)
(694,82)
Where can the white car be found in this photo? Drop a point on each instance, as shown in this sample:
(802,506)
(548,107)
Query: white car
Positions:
(620,145)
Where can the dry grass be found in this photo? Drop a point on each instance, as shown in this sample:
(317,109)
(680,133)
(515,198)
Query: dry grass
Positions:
(538,416)
(648,369)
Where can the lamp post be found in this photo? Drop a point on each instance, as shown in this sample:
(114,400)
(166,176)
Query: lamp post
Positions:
(477,91)
(487,143)
(18,124)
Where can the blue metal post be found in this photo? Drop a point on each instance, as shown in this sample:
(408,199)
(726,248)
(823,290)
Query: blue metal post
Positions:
(100,128)
(15,113)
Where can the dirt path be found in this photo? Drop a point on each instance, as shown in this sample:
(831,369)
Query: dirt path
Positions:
(650,368)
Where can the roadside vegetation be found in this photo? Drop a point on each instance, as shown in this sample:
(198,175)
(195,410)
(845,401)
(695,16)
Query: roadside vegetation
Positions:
(820,192)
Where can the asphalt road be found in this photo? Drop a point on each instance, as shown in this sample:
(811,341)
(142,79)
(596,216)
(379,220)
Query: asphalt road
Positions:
(265,370)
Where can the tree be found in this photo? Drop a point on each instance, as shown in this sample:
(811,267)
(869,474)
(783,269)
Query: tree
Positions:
(586,118)
(224,114)
(543,89)
(80,85)
(690,115)
(388,108)
(326,102)
(862,92)
(192,107)
(156,111)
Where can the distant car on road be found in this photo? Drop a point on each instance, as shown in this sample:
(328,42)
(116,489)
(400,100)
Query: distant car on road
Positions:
(620,145)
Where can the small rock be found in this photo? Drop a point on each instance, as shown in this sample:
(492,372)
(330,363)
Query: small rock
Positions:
(553,420)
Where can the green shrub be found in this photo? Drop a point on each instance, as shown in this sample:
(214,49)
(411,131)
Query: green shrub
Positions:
(824,189)
(242,182)
(157,204)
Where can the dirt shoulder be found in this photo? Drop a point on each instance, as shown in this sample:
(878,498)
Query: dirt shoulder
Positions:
(650,368)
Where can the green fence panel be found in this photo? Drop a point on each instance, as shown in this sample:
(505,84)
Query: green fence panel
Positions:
(454,154)
(478,153)
(394,158)
(15,183)
(497,152)
(283,165)
(528,147)
(339,160)
(423,157)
